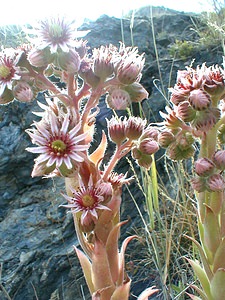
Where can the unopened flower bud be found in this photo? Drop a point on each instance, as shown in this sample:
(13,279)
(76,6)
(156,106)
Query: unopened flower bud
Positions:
(118,99)
(145,161)
(134,128)
(199,99)
(69,61)
(185,141)
(198,184)
(219,159)
(206,119)
(151,133)
(137,92)
(181,148)
(23,92)
(136,153)
(148,146)
(204,167)
(40,58)
(116,130)
(179,95)
(103,66)
(186,111)
(87,74)
(130,68)
(216,183)
(165,138)
(214,81)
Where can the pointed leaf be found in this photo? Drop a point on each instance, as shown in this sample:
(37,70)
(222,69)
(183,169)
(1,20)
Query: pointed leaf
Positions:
(101,276)
(219,260)
(211,230)
(218,285)
(122,258)
(203,258)
(86,267)
(201,275)
(98,154)
(112,250)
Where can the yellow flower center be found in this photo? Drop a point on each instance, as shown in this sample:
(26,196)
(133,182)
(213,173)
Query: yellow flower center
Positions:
(4,71)
(58,146)
(55,31)
(88,201)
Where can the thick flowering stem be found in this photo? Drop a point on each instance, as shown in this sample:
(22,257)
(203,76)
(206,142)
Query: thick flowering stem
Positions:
(91,103)
(121,150)
(71,85)
(45,84)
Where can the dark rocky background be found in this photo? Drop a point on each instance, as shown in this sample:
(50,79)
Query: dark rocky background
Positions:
(36,235)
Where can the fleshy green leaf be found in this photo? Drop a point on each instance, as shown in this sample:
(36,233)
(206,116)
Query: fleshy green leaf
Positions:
(211,230)
(201,275)
(218,285)
(203,258)
(219,260)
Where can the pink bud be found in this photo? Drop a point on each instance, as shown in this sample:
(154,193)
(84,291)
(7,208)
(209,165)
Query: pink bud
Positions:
(116,129)
(216,183)
(199,99)
(69,61)
(118,99)
(204,167)
(40,58)
(134,127)
(186,111)
(130,67)
(148,146)
(166,138)
(23,92)
(198,184)
(219,159)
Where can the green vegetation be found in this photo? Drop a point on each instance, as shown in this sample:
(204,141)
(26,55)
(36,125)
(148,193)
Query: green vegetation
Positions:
(11,36)
(182,49)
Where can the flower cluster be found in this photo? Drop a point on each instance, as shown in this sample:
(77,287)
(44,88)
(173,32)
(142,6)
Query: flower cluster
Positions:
(196,108)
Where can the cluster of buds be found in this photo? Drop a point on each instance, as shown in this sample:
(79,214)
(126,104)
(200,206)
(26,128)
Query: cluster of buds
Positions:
(193,127)
(208,177)
(132,134)
(196,108)
(66,130)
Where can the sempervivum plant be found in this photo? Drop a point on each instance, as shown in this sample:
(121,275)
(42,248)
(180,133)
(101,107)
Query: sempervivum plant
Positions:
(63,135)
